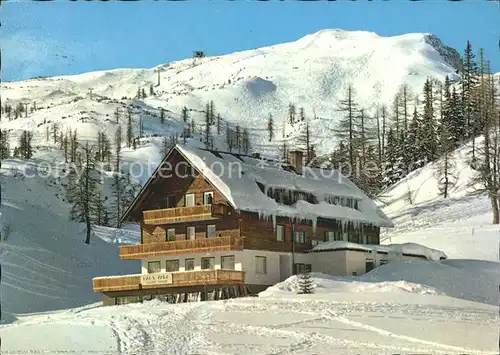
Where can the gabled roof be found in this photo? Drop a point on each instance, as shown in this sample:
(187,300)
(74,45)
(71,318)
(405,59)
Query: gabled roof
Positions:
(237,178)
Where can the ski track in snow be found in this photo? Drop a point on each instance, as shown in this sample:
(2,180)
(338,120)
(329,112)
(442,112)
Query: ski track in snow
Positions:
(270,326)
(166,333)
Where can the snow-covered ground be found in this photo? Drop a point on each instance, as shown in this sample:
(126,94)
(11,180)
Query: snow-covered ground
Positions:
(340,318)
(459,225)
(45,264)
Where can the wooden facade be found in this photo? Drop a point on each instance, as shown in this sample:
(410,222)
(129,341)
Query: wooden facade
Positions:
(181,212)
(200,245)
(162,211)
(179,279)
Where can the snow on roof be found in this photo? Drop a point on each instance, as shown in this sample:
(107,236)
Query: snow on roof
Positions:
(236,177)
(406,248)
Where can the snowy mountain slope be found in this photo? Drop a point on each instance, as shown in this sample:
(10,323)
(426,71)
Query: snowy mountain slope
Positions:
(247,86)
(459,225)
(45,264)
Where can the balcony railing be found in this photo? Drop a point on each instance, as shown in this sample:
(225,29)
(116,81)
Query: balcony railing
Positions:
(187,214)
(178,214)
(168,280)
(204,245)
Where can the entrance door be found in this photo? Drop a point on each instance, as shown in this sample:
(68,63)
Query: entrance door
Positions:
(285,267)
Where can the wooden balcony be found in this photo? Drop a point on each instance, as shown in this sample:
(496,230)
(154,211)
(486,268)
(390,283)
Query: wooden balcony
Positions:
(187,214)
(168,280)
(205,245)
(179,214)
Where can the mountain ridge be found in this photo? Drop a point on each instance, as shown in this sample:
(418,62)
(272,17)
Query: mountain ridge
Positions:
(247,86)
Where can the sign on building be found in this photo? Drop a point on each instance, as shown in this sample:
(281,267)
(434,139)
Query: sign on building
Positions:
(156,279)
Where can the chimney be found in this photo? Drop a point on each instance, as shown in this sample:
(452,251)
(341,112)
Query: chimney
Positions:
(296,160)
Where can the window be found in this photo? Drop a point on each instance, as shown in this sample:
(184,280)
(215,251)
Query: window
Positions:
(189,200)
(302,268)
(300,237)
(227,262)
(280,233)
(364,239)
(369,265)
(354,238)
(170,234)
(373,239)
(211,232)
(333,236)
(172,265)
(191,233)
(208,198)
(171,203)
(154,266)
(260,265)
(189,264)
(207,263)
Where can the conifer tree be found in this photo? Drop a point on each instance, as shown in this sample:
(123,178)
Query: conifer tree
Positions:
(65,147)
(347,130)
(25,148)
(143,92)
(305,283)
(404,93)
(211,113)
(55,127)
(151,91)
(237,134)
(395,114)
(446,175)
(468,82)
(193,127)
(141,126)
(305,140)
(117,115)
(284,152)
(270,127)
(291,113)
(458,125)
(208,122)
(412,154)
(302,114)
(119,180)
(487,178)
(428,133)
(83,190)
(219,122)
(73,146)
(245,141)
(4,144)
(185,115)
(229,138)
(129,128)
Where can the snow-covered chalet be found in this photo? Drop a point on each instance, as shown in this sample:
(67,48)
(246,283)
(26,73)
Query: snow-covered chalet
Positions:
(218,225)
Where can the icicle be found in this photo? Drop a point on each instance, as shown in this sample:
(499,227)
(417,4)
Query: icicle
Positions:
(274,221)
(314,224)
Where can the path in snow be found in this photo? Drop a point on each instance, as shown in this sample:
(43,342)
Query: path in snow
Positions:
(347,323)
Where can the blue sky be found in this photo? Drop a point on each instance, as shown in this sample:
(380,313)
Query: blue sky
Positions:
(56,38)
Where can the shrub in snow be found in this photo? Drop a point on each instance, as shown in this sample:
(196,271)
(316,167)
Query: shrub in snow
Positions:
(305,283)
